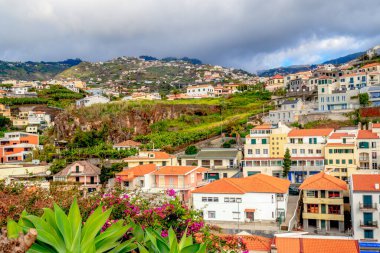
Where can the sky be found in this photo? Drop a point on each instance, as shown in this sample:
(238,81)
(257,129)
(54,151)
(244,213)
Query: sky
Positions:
(248,34)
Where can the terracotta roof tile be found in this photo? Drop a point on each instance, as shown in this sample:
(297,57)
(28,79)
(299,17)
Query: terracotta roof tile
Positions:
(255,183)
(263,126)
(371,65)
(315,245)
(137,171)
(365,182)
(256,243)
(376,125)
(277,77)
(310,132)
(323,181)
(156,155)
(367,134)
(340,135)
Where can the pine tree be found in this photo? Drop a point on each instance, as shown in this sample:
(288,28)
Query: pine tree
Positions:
(286,164)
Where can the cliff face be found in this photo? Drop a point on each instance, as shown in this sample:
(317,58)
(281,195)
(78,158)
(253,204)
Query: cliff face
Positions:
(122,121)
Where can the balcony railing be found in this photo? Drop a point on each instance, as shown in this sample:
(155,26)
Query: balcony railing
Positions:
(366,206)
(368,224)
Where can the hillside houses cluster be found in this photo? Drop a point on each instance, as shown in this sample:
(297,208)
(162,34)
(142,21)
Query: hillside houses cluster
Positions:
(324,90)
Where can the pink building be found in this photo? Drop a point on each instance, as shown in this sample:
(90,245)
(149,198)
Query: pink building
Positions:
(183,179)
(82,172)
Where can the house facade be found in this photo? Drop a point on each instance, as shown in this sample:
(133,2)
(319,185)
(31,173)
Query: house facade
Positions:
(258,197)
(17,146)
(158,158)
(199,91)
(323,202)
(128,144)
(365,201)
(88,101)
(82,172)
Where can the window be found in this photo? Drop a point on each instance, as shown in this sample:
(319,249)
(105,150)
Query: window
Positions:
(334,194)
(216,199)
(330,161)
(249,151)
(140,163)
(211,214)
(232,200)
(257,151)
(349,161)
(163,163)
(265,151)
(343,161)
(318,151)
(253,141)
(204,199)
(312,208)
(280,197)
(264,141)
(374,155)
(310,151)
(313,194)
(220,162)
(368,234)
(226,200)
(77,179)
(337,161)
(334,209)
(373,144)
(294,151)
(77,169)
(302,151)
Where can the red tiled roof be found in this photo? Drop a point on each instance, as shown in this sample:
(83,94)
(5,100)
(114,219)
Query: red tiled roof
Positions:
(367,134)
(323,181)
(256,243)
(277,77)
(263,126)
(340,144)
(371,65)
(365,182)
(255,183)
(315,245)
(376,125)
(310,132)
(128,143)
(136,171)
(179,170)
(340,135)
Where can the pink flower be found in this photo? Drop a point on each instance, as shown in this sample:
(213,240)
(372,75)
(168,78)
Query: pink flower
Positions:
(171,193)
(164,233)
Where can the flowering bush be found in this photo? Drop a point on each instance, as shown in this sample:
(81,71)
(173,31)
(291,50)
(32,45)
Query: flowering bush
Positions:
(155,211)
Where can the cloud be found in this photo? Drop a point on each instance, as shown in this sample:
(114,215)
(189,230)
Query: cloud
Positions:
(248,34)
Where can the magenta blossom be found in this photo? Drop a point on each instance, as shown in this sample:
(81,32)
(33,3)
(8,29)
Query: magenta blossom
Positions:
(171,193)
(164,233)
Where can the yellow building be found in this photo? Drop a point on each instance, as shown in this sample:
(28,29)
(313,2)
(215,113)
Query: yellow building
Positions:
(278,139)
(5,110)
(323,202)
(340,155)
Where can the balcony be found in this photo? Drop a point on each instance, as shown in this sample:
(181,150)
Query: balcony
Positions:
(328,201)
(367,207)
(323,216)
(368,224)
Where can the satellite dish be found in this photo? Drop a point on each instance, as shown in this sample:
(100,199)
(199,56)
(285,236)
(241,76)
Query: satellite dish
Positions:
(48,172)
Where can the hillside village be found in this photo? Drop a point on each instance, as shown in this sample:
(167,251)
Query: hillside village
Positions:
(259,173)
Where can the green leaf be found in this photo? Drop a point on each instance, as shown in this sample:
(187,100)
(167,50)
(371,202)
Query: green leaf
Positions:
(172,237)
(110,238)
(138,233)
(13,229)
(142,249)
(49,217)
(202,248)
(64,225)
(162,247)
(190,249)
(93,227)
(75,219)
(37,248)
(185,241)
(126,246)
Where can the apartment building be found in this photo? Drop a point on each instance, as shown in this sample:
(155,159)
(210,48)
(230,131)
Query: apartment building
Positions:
(290,111)
(274,83)
(221,162)
(258,197)
(367,143)
(306,147)
(341,154)
(17,146)
(199,91)
(264,149)
(323,202)
(365,201)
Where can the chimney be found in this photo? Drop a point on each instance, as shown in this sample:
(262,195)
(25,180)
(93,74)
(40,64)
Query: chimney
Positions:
(377,186)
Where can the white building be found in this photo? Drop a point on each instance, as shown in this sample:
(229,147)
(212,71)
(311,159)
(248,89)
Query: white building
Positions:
(365,201)
(88,101)
(39,118)
(199,91)
(290,111)
(258,197)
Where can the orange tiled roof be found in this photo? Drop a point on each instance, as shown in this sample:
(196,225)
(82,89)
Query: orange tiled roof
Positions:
(255,183)
(310,132)
(371,65)
(157,155)
(315,245)
(340,135)
(277,77)
(323,181)
(256,243)
(128,143)
(367,134)
(365,182)
(136,171)
(179,170)
(376,125)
